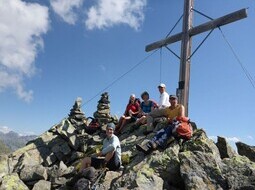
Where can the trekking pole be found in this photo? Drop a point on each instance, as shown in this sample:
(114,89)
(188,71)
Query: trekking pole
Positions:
(94,186)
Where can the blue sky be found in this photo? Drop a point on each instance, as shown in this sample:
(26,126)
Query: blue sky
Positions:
(54,51)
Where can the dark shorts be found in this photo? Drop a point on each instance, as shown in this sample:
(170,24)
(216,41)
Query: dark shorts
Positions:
(113,164)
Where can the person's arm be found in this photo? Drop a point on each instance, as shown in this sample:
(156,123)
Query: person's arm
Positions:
(181,112)
(137,108)
(112,146)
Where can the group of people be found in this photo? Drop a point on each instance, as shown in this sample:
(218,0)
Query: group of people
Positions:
(144,112)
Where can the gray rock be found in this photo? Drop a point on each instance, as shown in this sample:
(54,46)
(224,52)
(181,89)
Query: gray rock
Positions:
(57,152)
(109,177)
(239,172)
(246,150)
(104,111)
(25,159)
(200,170)
(42,185)
(4,169)
(226,151)
(58,181)
(74,142)
(12,182)
(33,173)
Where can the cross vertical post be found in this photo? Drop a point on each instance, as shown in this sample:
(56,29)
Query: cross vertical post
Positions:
(184,75)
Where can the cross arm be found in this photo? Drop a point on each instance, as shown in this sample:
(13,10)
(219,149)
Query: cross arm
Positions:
(232,17)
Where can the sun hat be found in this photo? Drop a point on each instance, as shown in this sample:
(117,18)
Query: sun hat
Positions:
(111,125)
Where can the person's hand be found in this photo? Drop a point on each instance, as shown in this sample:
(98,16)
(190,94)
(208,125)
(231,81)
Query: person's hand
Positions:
(169,120)
(99,154)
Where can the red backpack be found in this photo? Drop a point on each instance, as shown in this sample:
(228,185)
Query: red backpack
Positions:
(93,126)
(184,129)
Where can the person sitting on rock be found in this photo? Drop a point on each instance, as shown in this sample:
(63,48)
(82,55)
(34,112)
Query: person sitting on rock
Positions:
(130,114)
(174,110)
(164,97)
(146,107)
(109,156)
(179,128)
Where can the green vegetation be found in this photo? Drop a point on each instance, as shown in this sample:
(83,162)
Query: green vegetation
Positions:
(3,148)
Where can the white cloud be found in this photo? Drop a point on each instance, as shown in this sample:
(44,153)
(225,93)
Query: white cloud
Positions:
(21,27)
(28,133)
(232,139)
(214,138)
(66,9)
(112,12)
(229,139)
(250,137)
(4,129)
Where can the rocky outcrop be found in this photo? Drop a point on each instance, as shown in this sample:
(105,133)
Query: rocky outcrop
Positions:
(226,151)
(246,150)
(51,162)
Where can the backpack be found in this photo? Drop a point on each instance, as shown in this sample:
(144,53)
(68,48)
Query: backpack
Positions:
(93,126)
(183,128)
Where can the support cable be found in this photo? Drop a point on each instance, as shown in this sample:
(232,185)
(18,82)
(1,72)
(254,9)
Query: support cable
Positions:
(200,44)
(160,67)
(120,77)
(173,52)
(115,81)
(210,18)
(246,72)
(174,26)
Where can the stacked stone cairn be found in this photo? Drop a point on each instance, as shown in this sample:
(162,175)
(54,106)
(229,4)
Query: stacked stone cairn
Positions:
(76,116)
(103,110)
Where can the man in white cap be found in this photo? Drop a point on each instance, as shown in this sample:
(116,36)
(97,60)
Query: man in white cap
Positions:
(109,156)
(164,96)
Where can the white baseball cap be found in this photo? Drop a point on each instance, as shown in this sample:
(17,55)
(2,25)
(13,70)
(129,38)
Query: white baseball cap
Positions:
(162,85)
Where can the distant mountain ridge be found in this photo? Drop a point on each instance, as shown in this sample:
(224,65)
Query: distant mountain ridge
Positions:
(15,141)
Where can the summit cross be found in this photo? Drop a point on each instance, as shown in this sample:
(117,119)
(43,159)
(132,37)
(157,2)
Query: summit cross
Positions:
(186,39)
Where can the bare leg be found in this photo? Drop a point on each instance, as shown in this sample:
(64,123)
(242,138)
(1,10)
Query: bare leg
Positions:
(109,155)
(119,123)
(124,122)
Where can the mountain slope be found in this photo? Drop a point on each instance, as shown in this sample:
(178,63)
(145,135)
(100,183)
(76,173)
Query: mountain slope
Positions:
(3,148)
(14,141)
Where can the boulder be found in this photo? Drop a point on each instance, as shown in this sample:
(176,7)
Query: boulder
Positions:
(200,170)
(42,185)
(239,172)
(4,169)
(246,150)
(33,173)
(226,151)
(12,182)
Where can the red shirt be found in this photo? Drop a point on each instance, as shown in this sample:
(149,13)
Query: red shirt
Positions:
(132,107)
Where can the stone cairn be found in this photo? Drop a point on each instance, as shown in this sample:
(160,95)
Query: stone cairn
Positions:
(76,116)
(103,110)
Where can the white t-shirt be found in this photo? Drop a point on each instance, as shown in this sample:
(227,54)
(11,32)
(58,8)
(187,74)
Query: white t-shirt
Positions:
(164,100)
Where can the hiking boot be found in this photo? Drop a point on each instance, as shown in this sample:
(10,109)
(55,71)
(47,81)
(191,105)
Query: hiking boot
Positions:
(147,132)
(145,149)
(153,145)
